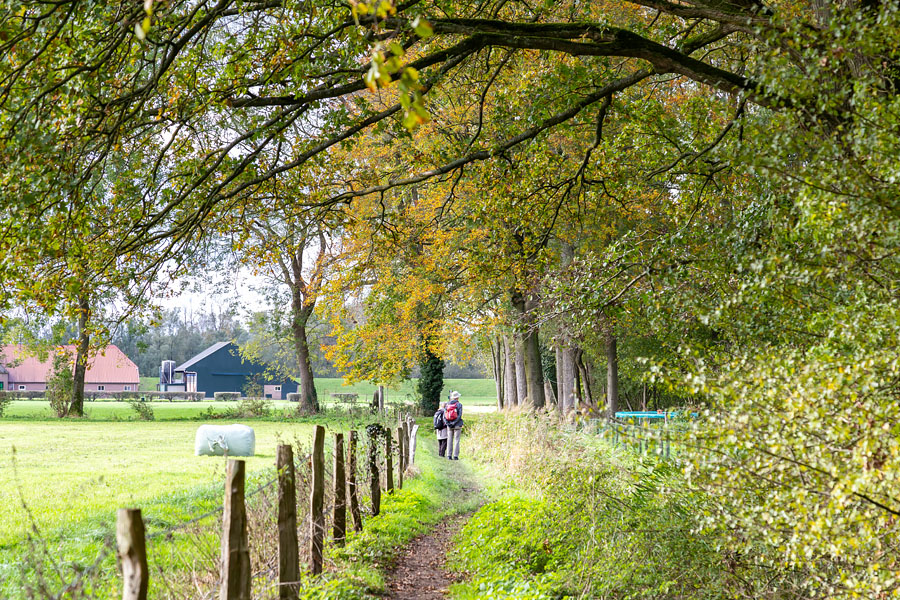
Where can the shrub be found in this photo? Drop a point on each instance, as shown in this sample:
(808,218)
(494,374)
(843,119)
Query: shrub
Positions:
(144,411)
(23,395)
(4,402)
(582,518)
(245,409)
(226,396)
(253,388)
(60,384)
(255,407)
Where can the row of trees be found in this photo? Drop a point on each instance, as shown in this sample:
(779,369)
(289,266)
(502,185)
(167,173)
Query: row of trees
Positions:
(699,195)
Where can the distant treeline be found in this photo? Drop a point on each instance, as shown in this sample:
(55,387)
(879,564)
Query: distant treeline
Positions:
(184,333)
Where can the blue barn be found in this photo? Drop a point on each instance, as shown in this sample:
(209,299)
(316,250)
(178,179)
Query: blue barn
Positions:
(220,368)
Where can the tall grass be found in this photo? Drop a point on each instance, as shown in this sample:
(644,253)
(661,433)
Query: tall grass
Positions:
(580,518)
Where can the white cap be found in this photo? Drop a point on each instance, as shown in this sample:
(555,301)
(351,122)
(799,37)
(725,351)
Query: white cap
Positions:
(454,395)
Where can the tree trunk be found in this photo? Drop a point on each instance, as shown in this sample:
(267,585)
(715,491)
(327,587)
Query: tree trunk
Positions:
(612,376)
(534,369)
(531,354)
(309,400)
(497,365)
(521,381)
(560,383)
(585,378)
(509,375)
(549,394)
(576,377)
(568,374)
(81,358)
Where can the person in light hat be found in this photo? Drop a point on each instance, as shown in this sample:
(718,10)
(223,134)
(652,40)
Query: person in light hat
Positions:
(453,418)
(441,427)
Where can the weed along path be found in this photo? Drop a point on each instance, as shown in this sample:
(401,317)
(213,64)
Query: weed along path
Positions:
(421,572)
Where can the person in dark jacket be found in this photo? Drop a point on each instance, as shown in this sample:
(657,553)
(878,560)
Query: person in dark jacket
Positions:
(453,418)
(441,427)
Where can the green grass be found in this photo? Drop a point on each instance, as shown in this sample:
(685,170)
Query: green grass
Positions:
(474,391)
(478,392)
(122,411)
(437,493)
(573,516)
(74,472)
(71,476)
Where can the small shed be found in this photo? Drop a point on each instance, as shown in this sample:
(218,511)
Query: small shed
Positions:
(221,368)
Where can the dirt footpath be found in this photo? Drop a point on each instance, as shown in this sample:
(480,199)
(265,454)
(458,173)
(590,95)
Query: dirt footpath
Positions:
(420,569)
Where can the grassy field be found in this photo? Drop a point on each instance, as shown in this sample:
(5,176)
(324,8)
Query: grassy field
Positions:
(73,473)
(474,391)
(477,394)
(121,411)
(62,481)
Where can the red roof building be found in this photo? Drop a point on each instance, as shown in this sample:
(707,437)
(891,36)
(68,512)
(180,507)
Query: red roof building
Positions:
(109,371)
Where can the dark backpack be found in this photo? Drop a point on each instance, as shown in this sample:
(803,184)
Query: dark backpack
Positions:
(451,413)
(439,422)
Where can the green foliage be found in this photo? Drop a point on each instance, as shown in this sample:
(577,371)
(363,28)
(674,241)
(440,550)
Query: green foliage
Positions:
(254,407)
(431,381)
(60,384)
(577,518)
(246,408)
(143,410)
(253,387)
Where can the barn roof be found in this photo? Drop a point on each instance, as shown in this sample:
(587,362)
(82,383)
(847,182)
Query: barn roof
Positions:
(192,361)
(110,365)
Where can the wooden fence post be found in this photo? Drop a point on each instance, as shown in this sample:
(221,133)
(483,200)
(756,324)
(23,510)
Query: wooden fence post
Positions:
(340,491)
(132,554)
(235,546)
(351,483)
(389,462)
(381,399)
(317,502)
(288,548)
(400,458)
(412,443)
(406,429)
(374,475)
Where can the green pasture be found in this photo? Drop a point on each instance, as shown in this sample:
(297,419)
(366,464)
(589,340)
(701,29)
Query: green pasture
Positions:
(474,391)
(122,411)
(62,481)
(72,473)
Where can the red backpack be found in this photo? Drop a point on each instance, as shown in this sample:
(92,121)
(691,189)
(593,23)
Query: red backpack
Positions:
(451,413)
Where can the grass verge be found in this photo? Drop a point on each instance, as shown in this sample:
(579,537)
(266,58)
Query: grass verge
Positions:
(578,518)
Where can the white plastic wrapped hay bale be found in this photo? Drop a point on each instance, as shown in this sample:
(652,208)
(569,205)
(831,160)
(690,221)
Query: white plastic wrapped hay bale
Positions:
(217,440)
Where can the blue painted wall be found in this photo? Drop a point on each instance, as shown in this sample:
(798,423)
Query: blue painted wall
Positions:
(225,371)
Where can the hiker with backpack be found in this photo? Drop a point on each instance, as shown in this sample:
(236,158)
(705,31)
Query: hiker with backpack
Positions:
(440,425)
(453,418)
